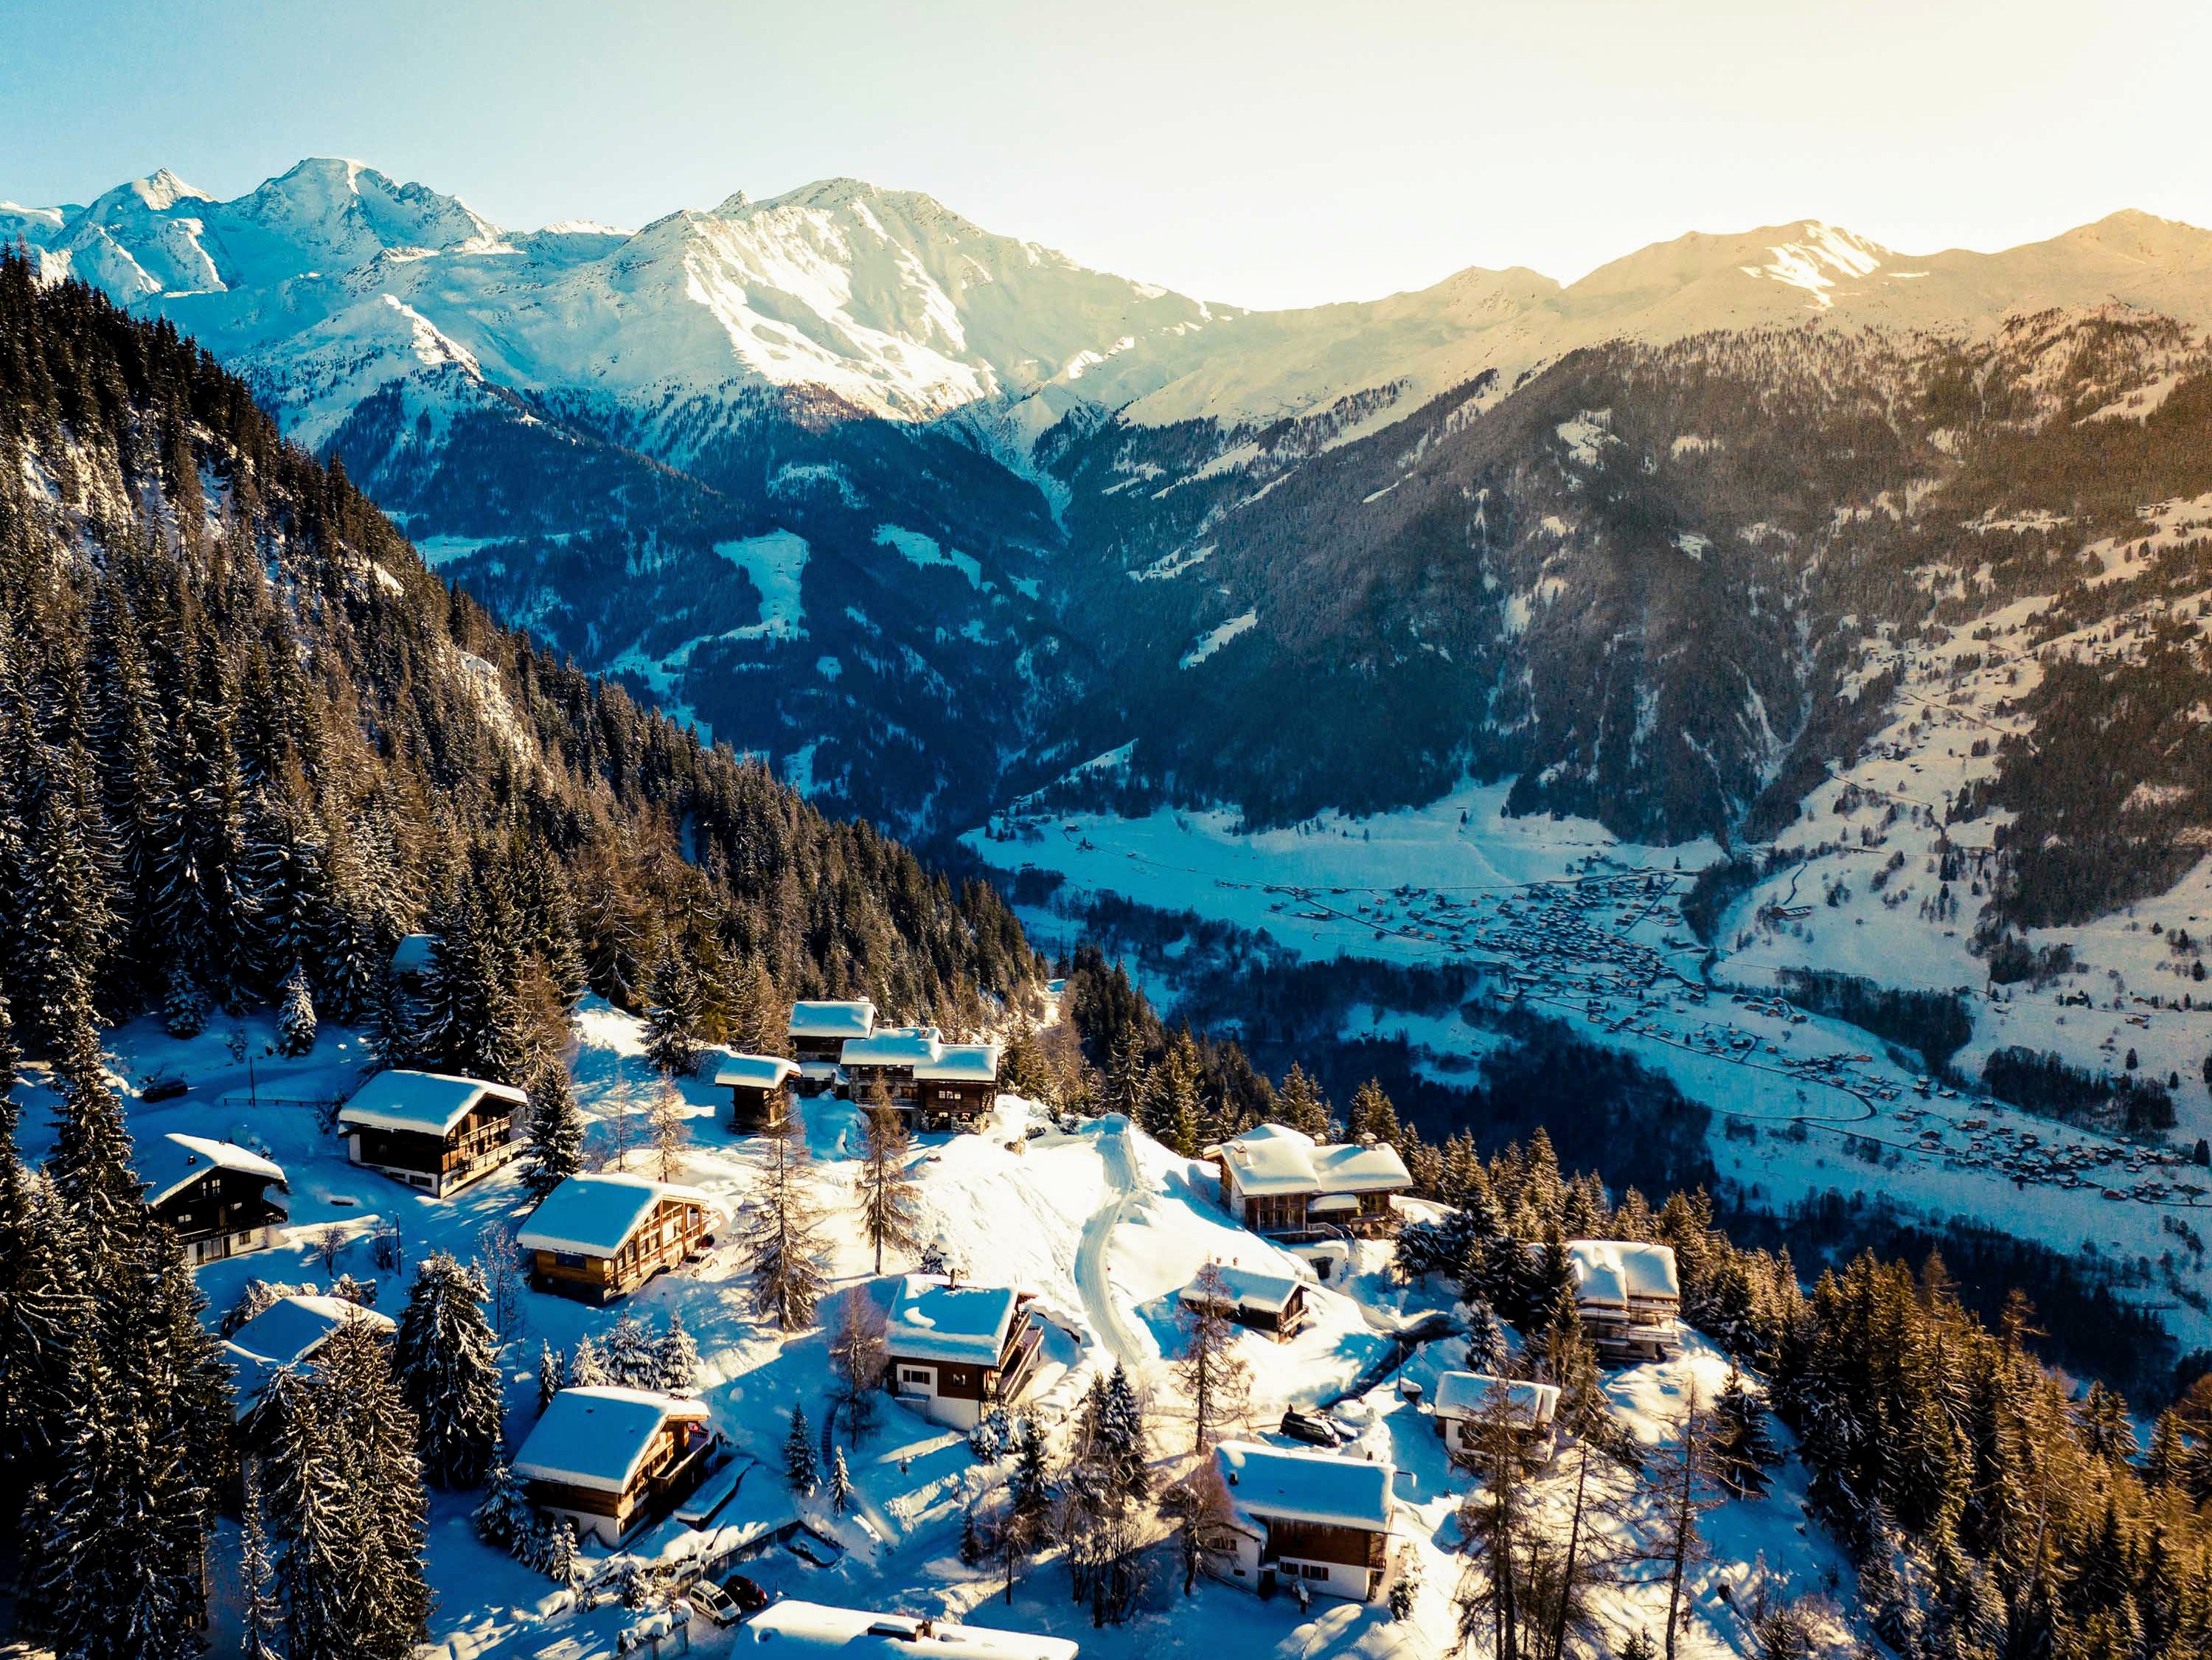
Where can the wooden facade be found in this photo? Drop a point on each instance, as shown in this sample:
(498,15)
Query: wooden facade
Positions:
(677,1227)
(954,1103)
(224,1212)
(479,1143)
(756,1110)
(959,1392)
(682,1456)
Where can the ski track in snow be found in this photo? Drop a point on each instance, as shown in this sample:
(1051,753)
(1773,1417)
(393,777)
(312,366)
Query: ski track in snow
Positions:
(1098,1300)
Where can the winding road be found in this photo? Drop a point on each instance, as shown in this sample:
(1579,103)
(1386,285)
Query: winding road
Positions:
(1107,1319)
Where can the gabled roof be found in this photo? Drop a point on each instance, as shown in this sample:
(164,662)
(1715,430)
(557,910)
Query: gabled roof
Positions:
(754,1072)
(960,1063)
(595,1215)
(815,1628)
(893,1046)
(168,1163)
(428,1102)
(1275,1484)
(1274,1159)
(285,1334)
(856,1019)
(1611,1272)
(1248,1288)
(1467,1395)
(596,1437)
(930,1320)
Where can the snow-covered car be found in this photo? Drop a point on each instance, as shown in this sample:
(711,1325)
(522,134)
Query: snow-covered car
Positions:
(710,1602)
(1312,1428)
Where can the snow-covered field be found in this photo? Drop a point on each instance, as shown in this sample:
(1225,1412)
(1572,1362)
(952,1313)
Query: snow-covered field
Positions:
(1103,1226)
(1562,919)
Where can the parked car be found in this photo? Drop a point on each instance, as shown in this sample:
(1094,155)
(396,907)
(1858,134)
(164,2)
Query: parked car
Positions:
(711,1602)
(1313,1431)
(749,1596)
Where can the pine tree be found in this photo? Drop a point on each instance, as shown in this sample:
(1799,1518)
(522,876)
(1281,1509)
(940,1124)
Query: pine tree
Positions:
(555,1132)
(261,1619)
(672,1019)
(587,1368)
(1214,1378)
(1486,1350)
(670,1135)
(1301,1103)
(632,1361)
(505,1517)
(856,1360)
(889,1197)
(549,1379)
(780,1241)
(449,1372)
(802,1466)
(676,1358)
(295,1018)
(840,1483)
(1741,1448)
(185,1006)
(1373,1115)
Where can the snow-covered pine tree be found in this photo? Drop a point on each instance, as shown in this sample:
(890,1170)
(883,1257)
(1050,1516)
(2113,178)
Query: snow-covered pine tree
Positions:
(840,1483)
(889,1198)
(672,1015)
(448,1362)
(1300,1105)
(555,1149)
(631,1361)
(588,1366)
(395,1029)
(676,1357)
(505,1516)
(185,1006)
(1741,1448)
(802,1465)
(1487,1352)
(295,1015)
(780,1239)
(1124,1450)
(560,1561)
(90,1164)
(261,1618)
(549,1379)
(670,1135)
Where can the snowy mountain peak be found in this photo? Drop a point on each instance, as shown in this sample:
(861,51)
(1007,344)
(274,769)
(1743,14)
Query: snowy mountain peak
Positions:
(163,189)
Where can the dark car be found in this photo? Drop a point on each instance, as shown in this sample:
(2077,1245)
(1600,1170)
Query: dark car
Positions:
(1315,1432)
(749,1597)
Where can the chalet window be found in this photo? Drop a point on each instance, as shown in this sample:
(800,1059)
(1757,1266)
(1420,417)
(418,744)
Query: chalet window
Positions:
(568,1259)
(916,1375)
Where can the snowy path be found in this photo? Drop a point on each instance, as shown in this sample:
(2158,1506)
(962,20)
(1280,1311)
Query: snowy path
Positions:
(1106,1316)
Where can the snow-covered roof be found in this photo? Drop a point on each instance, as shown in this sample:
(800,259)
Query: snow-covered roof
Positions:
(930,1320)
(1467,1395)
(815,1628)
(412,954)
(430,1102)
(1276,1483)
(166,1163)
(1248,1288)
(1615,1271)
(595,1215)
(960,1063)
(754,1072)
(894,1046)
(856,1019)
(286,1333)
(596,1437)
(1273,1158)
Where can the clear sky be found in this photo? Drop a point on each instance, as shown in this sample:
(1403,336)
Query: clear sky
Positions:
(1275,153)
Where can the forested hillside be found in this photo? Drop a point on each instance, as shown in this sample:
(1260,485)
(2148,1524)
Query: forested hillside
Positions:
(244,733)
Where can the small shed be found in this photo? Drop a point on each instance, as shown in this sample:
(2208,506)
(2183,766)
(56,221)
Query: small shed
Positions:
(599,1237)
(760,1089)
(607,1459)
(1271,1303)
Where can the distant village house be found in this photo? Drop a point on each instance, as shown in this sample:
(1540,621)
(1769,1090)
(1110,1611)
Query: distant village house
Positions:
(1281,1183)
(431,1131)
(952,1351)
(1629,1296)
(599,1237)
(942,1086)
(608,1459)
(760,1089)
(213,1195)
(1312,1518)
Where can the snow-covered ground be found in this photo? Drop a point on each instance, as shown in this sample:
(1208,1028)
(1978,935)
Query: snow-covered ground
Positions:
(1562,919)
(1103,1226)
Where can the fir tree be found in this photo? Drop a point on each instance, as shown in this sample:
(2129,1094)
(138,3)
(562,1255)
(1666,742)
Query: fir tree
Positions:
(672,1019)
(856,1360)
(676,1357)
(889,1197)
(1741,1448)
(448,1362)
(632,1362)
(185,1006)
(780,1241)
(1215,1380)
(802,1466)
(840,1483)
(1487,1352)
(549,1379)
(261,1619)
(1301,1103)
(555,1132)
(670,1135)
(295,1018)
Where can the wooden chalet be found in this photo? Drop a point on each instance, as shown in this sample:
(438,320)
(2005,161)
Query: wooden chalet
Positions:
(609,1459)
(213,1195)
(952,1351)
(1629,1296)
(429,1130)
(1271,1303)
(886,1059)
(957,1089)
(284,1337)
(760,1089)
(1463,1399)
(1281,1183)
(599,1237)
(818,1033)
(1314,1518)
(789,1625)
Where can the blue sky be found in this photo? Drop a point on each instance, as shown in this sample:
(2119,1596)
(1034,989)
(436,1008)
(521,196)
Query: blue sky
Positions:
(1271,153)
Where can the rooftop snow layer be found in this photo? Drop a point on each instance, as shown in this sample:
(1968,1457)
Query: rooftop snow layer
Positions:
(930,1320)
(285,1334)
(753,1072)
(1614,1271)
(595,1215)
(854,1019)
(894,1046)
(814,1628)
(1467,1395)
(960,1063)
(413,953)
(1274,1159)
(1248,1288)
(427,1103)
(169,1163)
(1275,1484)
(596,1437)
